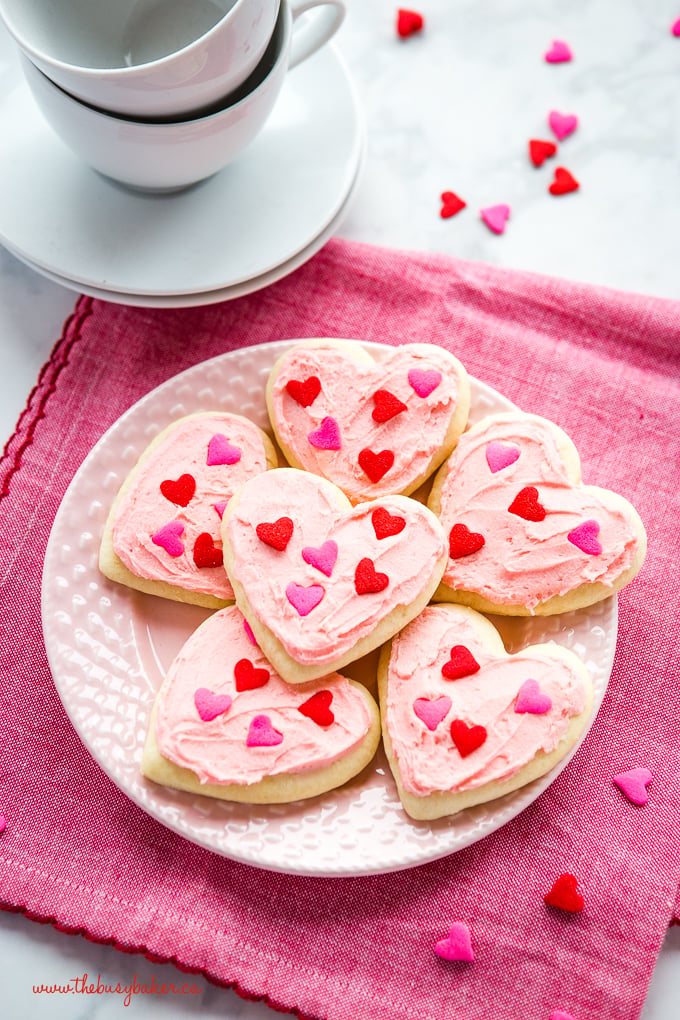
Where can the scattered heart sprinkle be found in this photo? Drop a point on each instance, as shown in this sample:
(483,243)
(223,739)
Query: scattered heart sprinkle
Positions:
(558,1014)
(457,945)
(564,894)
(559,52)
(563,183)
(675,28)
(562,124)
(409,23)
(633,784)
(3,823)
(495,217)
(451,204)
(540,150)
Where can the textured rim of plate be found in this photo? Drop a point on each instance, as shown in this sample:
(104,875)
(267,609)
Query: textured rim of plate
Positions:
(329,53)
(81,662)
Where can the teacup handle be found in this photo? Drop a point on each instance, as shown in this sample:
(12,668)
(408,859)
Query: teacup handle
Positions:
(311,37)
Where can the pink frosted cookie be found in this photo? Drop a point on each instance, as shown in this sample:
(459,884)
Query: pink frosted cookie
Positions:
(162,535)
(463,721)
(374,428)
(226,725)
(525,536)
(321,582)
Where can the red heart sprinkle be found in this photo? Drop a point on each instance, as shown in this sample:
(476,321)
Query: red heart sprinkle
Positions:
(318,708)
(367,580)
(277,534)
(206,553)
(180,491)
(539,151)
(376,464)
(304,391)
(467,738)
(564,894)
(564,182)
(409,22)
(451,204)
(247,677)
(463,542)
(385,524)
(526,505)
(386,406)
(461,663)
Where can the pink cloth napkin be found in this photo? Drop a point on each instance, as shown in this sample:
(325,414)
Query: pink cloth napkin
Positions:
(604,365)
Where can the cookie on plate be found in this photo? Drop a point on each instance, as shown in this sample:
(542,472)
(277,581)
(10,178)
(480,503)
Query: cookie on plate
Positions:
(463,721)
(371,427)
(162,535)
(224,724)
(525,535)
(321,582)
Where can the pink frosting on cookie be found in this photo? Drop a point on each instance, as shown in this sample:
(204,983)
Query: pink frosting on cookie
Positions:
(153,535)
(428,759)
(353,599)
(525,561)
(262,732)
(426,385)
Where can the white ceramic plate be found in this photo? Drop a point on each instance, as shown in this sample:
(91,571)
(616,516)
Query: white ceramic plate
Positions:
(212,296)
(110,647)
(253,216)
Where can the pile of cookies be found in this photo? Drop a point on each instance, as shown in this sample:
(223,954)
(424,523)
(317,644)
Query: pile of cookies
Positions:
(394,527)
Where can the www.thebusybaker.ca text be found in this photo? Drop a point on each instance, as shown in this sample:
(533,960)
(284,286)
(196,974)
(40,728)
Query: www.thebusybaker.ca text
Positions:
(81,986)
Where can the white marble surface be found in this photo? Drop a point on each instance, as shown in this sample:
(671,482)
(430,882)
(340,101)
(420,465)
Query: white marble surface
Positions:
(450,109)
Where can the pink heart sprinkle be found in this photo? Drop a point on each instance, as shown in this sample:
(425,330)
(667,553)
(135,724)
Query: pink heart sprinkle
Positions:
(634,784)
(322,558)
(585,538)
(261,733)
(431,712)
(558,53)
(221,507)
(424,380)
(531,699)
(562,124)
(221,451)
(495,217)
(558,1014)
(209,705)
(327,436)
(501,455)
(458,945)
(168,538)
(675,28)
(302,598)
(3,823)
(249,633)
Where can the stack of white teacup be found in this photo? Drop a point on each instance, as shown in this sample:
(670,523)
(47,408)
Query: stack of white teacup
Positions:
(159,94)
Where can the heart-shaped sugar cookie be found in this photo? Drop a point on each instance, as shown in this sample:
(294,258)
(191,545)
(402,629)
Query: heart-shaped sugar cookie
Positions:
(525,535)
(458,739)
(347,579)
(372,427)
(265,743)
(163,532)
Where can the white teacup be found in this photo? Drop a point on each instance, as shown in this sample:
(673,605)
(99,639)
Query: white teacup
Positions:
(171,154)
(148,58)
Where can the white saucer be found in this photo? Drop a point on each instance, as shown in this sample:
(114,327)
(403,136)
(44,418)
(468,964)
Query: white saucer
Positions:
(252,218)
(204,297)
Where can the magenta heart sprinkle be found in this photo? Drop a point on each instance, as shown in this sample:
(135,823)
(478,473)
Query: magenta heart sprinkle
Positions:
(584,537)
(304,598)
(501,455)
(431,711)
(562,124)
(249,633)
(531,699)
(675,28)
(424,380)
(3,824)
(559,52)
(558,1014)
(221,451)
(634,784)
(168,538)
(322,558)
(495,217)
(261,733)
(220,507)
(209,705)
(458,945)
(327,436)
